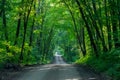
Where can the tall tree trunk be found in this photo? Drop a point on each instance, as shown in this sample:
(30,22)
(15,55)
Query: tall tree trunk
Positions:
(26,17)
(109,32)
(88,29)
(99,30)
(4,20)
(96,33)
(83,40)
(49,41)
(82,47)
(118,6)
(31,36)
(114,23)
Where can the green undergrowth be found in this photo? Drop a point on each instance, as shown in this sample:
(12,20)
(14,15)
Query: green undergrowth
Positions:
(108,63)
(9,54)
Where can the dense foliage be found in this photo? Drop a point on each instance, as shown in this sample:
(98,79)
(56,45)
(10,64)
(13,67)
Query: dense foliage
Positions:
(24,36)
(86,31)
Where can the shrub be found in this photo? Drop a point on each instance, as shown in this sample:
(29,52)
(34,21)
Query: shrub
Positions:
(107,63)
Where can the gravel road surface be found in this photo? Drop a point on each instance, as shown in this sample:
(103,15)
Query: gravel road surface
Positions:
(59,70)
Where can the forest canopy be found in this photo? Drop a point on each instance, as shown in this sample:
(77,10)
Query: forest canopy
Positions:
(83,31)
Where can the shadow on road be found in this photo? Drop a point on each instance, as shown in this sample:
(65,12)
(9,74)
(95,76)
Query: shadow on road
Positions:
(58,70)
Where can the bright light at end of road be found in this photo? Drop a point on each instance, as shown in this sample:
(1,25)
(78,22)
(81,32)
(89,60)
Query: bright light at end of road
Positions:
(57,54)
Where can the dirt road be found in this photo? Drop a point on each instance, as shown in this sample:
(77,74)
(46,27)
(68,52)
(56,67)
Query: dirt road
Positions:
(57,71)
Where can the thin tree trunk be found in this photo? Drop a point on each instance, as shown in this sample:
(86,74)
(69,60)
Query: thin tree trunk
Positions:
(18,29)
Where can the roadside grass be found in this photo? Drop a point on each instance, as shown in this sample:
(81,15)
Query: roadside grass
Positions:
(107,63)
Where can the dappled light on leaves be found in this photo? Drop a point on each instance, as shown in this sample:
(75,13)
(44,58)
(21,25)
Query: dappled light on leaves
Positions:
(85,32)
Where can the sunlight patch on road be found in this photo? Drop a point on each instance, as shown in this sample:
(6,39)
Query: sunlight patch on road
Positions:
(73,79)
(92,78)
(41,69)
(44,69)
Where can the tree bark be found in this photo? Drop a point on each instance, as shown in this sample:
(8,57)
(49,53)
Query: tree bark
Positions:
(18,29)
(26,17)
(109,32)
(99,30)
(88,29)
(82,47)
(114,23)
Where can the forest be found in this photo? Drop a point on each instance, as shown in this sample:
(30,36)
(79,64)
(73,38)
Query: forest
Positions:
(85,32)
